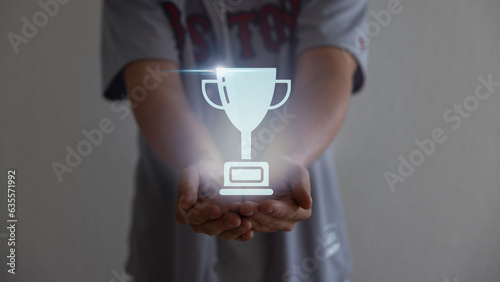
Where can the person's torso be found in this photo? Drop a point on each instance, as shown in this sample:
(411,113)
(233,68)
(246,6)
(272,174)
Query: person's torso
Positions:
(234,34)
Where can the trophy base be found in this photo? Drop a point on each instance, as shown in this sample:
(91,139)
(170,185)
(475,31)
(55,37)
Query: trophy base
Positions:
(246,174)
(246,191)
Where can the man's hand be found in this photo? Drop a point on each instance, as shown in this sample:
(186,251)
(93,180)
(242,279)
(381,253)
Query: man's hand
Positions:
(179,137)
(200,205)
(320,98)
(290,203)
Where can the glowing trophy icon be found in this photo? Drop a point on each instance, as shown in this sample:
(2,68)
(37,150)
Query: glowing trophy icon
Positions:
(246,95)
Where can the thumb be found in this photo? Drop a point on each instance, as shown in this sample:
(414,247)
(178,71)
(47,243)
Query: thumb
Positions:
(187,191)
(301,187)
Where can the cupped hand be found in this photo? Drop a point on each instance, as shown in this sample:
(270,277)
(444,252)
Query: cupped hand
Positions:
(200,205)
(290,203)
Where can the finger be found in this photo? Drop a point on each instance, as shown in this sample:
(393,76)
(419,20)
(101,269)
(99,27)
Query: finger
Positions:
(284,210)
(286,226)
(271,224)
(192,217)
(234,233)
(234,207)
(265,229)
(187,189)
(200,214)
(280,209)
(301,187)
(248,208)
(265,223)
(178,215)
(211,212)
(267,207)
(245,237)
(227,222)
(183,216)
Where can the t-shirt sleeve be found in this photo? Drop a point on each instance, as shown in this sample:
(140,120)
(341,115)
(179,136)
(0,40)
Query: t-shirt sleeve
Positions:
(338,23)
(133,30)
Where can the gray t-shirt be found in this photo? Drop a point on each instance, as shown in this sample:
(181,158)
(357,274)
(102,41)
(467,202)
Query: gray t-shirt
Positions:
(232,33)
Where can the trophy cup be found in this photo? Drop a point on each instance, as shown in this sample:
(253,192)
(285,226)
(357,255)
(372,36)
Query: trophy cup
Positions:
(246,95)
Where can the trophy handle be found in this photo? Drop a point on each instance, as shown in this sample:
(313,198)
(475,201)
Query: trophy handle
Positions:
(289,88)
(204,90)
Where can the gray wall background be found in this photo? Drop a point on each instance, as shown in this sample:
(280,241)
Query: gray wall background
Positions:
(440,224)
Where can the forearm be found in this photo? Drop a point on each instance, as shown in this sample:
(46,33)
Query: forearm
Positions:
(319,101)
(165,118)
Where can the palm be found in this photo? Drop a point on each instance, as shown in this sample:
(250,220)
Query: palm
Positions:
(290,202)
(209,203)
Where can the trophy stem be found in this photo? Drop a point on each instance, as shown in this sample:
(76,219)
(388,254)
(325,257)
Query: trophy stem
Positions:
(246,145)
